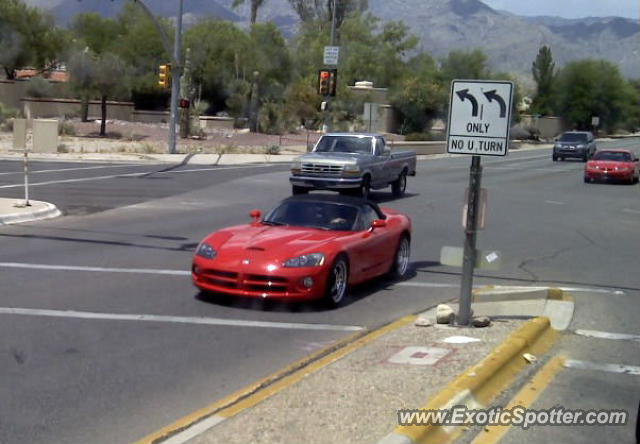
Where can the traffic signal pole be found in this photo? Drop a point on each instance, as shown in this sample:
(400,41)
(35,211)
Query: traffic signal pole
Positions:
(328,121)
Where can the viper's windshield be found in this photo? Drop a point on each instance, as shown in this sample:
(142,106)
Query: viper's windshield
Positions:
(321,215)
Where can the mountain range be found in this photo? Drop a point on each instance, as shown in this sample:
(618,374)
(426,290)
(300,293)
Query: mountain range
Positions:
(510,41)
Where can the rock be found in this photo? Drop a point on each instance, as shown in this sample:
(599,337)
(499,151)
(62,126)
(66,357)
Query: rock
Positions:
(422,322)
(445,314)
(481,321)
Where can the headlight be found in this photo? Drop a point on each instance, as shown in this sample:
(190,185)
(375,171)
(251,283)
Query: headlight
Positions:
(306,260)
(351,168)
(582,146)
(206,250)
(296,165)
(557,145)
(622,169)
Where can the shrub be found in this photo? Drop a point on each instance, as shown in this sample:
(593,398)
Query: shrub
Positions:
(417,137)
(273,149)
(66,129)
(39,87)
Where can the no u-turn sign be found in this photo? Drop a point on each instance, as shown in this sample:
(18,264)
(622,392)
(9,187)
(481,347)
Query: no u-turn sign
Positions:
(479,117)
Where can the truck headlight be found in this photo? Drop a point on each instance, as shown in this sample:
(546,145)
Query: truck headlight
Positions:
(296,166)
(351,168)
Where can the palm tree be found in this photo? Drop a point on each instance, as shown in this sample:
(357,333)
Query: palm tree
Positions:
(255,5)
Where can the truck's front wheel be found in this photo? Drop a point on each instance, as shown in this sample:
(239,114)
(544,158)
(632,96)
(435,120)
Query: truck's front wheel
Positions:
(298,190)
(365,188)
(399,186)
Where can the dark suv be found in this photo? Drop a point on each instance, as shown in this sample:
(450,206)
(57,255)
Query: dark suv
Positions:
(578,144)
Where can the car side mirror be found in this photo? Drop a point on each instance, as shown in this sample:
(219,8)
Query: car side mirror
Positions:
(256,215)
(378,223)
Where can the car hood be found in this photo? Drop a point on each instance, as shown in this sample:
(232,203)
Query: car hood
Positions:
(328,157)
(271,243)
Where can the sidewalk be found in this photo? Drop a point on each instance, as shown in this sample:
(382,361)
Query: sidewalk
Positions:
(13,211)
(353,394)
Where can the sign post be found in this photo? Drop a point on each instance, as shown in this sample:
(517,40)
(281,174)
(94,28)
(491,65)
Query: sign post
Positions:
(479,121)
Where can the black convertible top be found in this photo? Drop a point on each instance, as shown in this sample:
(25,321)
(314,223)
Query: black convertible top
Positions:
(338,199)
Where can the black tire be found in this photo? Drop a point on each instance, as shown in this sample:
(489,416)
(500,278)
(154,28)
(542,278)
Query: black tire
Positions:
(337,282)
(400,266)
(585,158)
(587,180)
(554,157)
(365,188)
(562,158)
(399,186)
(298,190)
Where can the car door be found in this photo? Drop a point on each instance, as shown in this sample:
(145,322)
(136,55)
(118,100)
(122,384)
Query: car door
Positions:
(383,160)
(367,252)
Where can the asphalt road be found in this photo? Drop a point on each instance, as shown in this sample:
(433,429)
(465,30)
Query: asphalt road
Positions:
(115,378)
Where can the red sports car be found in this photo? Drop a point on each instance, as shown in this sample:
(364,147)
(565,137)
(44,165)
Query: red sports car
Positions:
(619,165)
(308,247)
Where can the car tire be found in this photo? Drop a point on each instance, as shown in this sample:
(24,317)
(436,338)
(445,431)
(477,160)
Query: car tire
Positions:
(400,266)
(399,186)
(587,180)
(337,282)
(295,190)
(554,157)
(562,158)
(585,157)
(365,188)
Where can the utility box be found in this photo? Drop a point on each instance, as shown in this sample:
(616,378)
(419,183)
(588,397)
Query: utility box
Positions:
(45,135)
(19,134)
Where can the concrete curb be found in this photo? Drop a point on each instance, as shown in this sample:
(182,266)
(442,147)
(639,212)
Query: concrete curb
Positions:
(47,212)
(480,384)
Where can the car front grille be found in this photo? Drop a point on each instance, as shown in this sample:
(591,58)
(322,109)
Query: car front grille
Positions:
(249,282)
(312,169)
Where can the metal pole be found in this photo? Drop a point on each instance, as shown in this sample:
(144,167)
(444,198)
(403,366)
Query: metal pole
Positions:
(176,72)
(328,121)
(469,258)
(26,178)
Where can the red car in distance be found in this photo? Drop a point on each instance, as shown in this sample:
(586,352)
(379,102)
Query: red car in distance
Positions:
(619,165)
(308,247)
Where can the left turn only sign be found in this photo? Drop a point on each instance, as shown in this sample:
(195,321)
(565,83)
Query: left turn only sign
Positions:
(479,117)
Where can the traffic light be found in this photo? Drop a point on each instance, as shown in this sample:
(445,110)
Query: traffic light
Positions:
(164,77)
(327,82)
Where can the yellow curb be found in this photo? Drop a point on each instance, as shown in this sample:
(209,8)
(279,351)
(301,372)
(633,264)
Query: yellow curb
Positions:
(483,382)
(524,398)
(276,382)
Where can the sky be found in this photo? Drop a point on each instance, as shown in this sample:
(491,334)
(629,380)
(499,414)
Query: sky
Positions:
(570,8)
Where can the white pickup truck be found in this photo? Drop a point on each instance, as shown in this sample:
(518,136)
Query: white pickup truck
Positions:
(353,163)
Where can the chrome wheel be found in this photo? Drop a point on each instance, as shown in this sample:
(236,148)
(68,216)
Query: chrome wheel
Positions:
(338,281)
(402,257)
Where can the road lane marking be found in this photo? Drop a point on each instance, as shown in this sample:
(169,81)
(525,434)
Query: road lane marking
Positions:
(631,211)
(115,176)
(94,269)
(524,398)
(554,202)
(603,367)
(607,335)
(195,430)
(59,170)
(174,319)
(571,289)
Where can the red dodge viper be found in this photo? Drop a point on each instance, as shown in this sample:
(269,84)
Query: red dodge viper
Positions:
(308,247)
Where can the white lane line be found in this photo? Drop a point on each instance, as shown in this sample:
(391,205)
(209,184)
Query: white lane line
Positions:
(603,367)
(114,176)
(174,319)
(76,169)
(630,210)
(608,335)
(94,269)
(195,430)
(572,289)
(554,202)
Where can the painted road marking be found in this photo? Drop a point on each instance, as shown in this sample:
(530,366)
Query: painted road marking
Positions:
(631,210)
(77,169)
(195,430)
(524,398)
(115,176)
(174,319)
(524,288)
(603,367)
(554,202)
(607,335)
(94,269)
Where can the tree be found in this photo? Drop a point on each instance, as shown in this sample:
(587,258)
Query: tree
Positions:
(28,37)
(543,70)
(589,88)
(322,10)
(254,4)
(81,67)
(97,33)
(465,65)
(111,79)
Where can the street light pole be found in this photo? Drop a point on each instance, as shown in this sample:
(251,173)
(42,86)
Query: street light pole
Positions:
(328,120)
